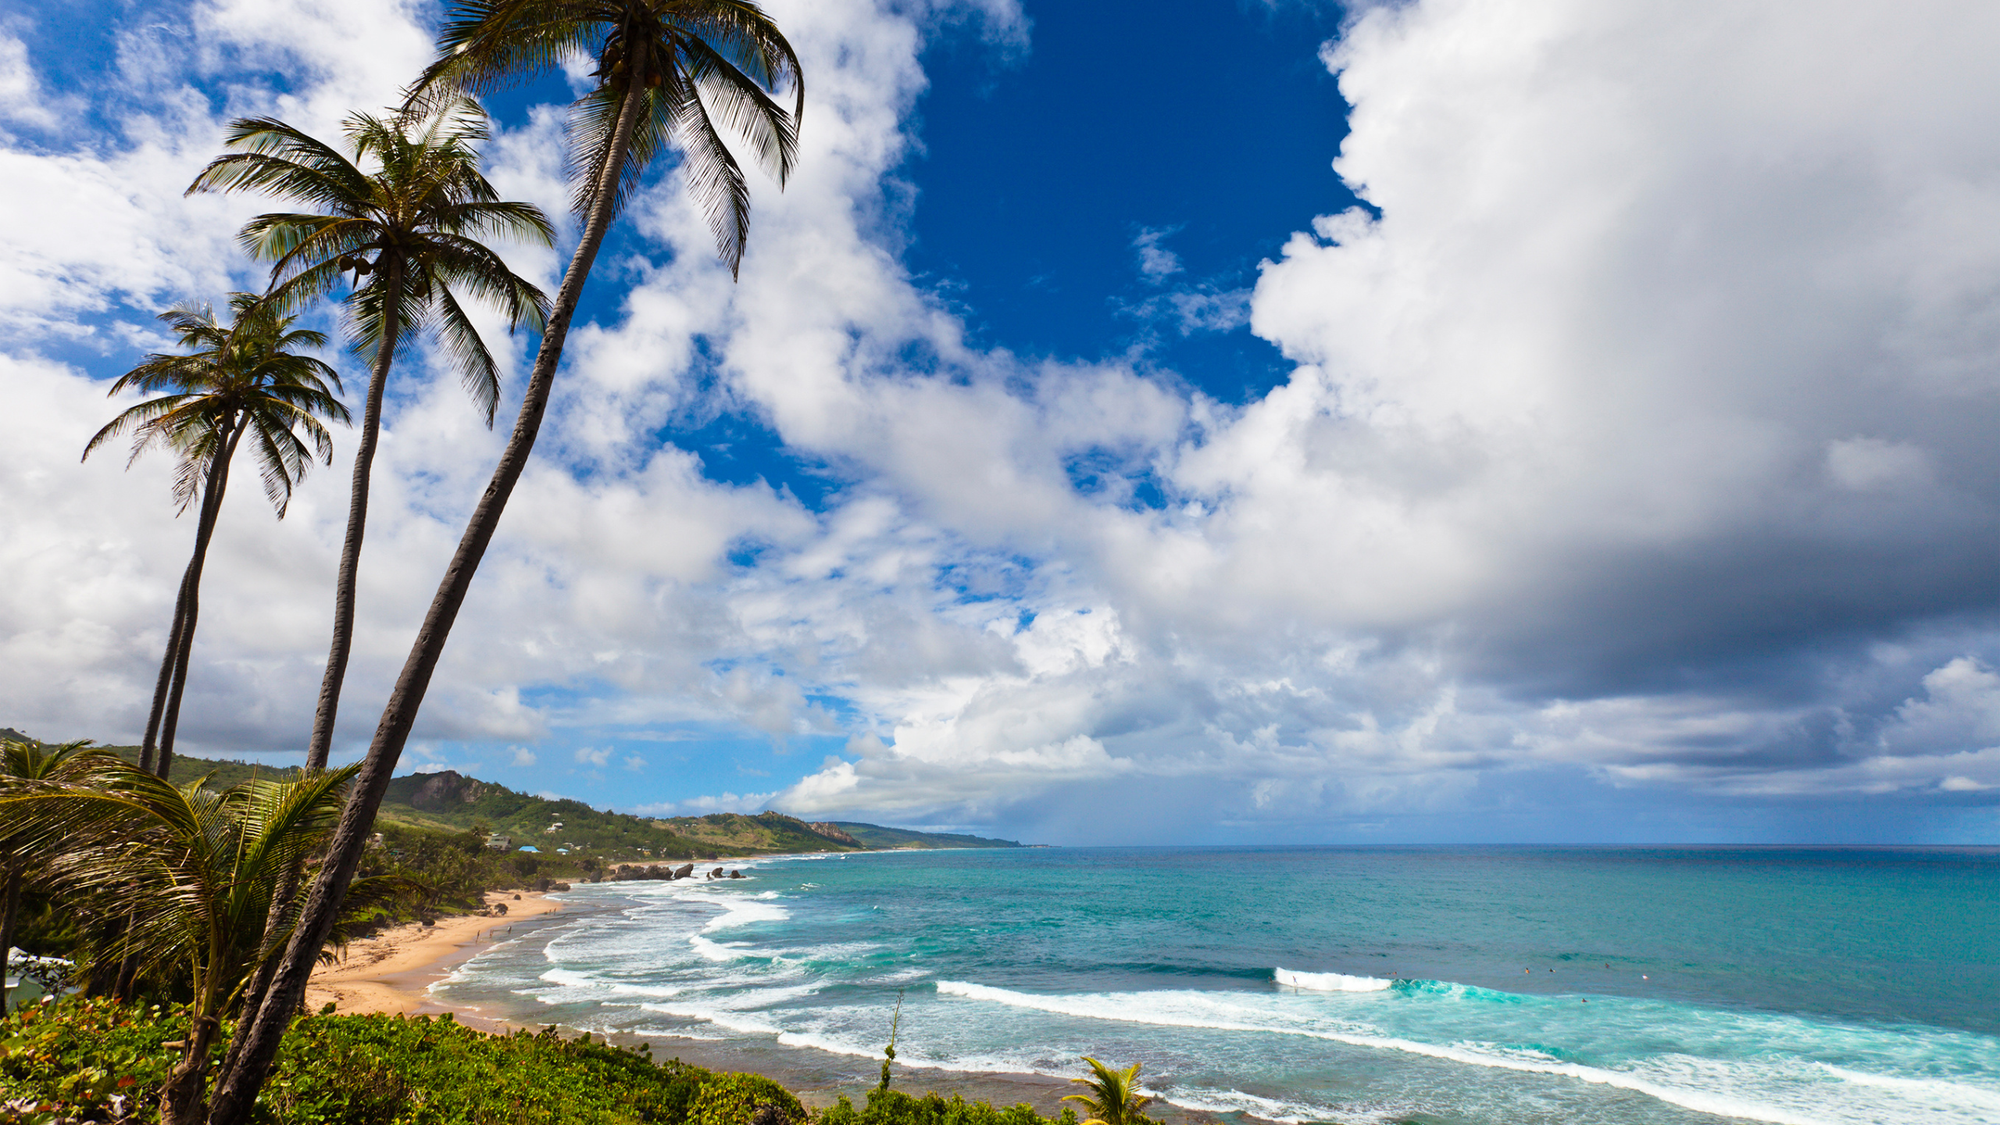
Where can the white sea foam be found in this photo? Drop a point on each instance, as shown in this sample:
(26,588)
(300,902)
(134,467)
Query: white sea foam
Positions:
(720,1017)
(1331,982)
(1937,1091)
(1266,1109)
(1145,1008)
(572,979)
(714,951)
(743,911)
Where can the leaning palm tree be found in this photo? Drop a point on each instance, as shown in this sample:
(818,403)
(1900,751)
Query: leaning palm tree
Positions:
(411,227)
(667,70)
(27,762)
(238,379)
(1114,1097)
(192,868)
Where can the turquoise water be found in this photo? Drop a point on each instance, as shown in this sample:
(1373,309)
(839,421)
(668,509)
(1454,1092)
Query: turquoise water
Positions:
(1476,985)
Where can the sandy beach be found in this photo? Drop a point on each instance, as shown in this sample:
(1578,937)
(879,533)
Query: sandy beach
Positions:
(390,972)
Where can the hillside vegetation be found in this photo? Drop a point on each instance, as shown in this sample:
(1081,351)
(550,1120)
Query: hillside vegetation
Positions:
(448,801)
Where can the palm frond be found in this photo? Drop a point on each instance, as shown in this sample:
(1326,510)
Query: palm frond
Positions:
(713,177)
(468,354)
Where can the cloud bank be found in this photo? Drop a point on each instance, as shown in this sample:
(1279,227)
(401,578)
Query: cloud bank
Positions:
(1633,460)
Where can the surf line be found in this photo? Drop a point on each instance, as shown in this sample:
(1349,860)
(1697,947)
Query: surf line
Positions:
(1686,1099)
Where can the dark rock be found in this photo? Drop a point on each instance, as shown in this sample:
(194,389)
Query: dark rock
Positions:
(517,898)
(834,833)
(735,874)
(500,908)
(559,886)
(684,870)
(446,788)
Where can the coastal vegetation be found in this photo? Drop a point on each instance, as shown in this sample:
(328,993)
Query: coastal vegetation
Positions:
(103,1060)
(185,877)
(450,803)
(174,907)
(1114,1097)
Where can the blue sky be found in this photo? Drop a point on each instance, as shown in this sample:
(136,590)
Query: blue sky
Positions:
(1205,420)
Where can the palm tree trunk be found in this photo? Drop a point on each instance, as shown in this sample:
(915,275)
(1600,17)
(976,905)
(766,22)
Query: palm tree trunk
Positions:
(236,1090)
(180,1101)
(357,521)
(211,506)
(320,745)
(10,914)
(168,663)
(127,986)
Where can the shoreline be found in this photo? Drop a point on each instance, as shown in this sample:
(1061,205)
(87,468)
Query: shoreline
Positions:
(391,974)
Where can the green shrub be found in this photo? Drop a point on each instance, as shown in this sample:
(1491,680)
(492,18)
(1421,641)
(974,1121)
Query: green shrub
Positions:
(437,1072)
(72,1058)
(745,1099)
(893,1107)
(87,1058)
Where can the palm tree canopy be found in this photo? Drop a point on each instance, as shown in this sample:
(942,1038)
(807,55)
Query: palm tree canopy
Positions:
(1114,1097)
(194,867)
(239,379)
(414,224)
(697,64)
(33,762)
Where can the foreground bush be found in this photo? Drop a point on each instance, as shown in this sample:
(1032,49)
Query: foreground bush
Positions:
(90,1060)
(96,1060)
(101,1061)
(893,1107)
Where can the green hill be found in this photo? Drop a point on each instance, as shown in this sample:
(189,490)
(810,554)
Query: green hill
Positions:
(877,838)
(451,802)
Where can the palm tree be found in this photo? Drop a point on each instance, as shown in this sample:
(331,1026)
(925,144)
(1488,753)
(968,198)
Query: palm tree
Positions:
(28,761)
(1114,1097)
(193,869)
(665,69)
(239,379)
(411,228)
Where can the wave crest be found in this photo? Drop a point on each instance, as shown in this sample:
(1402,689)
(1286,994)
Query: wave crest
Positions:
(1331,982)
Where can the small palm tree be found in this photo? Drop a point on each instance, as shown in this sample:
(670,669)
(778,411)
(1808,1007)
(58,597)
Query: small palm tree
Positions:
(33,762)
(239,379)
(1114,1097)
(408,232)
(667,72)
(193,869)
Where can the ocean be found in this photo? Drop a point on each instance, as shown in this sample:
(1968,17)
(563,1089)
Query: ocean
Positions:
(1485,986)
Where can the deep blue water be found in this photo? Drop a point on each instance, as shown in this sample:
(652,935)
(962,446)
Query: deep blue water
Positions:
(1479,985)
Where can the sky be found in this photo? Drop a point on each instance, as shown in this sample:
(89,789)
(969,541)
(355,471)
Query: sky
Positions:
(1200,421)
